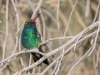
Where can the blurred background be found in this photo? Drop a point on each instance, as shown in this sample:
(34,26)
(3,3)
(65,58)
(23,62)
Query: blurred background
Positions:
(81,16)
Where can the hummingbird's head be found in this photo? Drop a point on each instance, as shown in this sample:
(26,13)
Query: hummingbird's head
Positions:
(31,21)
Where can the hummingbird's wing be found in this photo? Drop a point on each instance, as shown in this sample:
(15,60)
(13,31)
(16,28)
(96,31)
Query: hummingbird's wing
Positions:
(37,56)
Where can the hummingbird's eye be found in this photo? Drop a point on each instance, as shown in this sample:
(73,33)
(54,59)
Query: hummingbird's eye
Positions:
(26,24)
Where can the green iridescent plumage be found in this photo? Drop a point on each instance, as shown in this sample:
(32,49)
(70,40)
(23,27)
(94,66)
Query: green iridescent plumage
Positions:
(30,38)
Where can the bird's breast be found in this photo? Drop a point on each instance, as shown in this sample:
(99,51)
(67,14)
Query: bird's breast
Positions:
(29,38)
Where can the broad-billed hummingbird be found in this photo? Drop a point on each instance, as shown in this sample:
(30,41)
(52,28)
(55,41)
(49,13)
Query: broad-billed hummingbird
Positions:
(30,38)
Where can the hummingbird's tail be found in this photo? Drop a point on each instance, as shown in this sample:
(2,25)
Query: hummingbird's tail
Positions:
(38,56)
(46,60)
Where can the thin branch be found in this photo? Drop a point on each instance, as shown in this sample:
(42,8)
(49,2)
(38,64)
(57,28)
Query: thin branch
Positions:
(84,56)
(78,15)
(17,16)
(4,45)
(87,8)
(21,59)
(57,38)
(95,39)
(37,8)
(58,15)
(97,10)
(70,17)
(30,3)
(44,26)
(22,52)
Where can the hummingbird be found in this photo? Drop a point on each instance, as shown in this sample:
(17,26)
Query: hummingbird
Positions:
(31,38)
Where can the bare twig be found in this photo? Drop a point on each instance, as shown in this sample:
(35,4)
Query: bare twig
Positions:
(37,8)
(58,15)
(77,15)
(97,10)
(87,8)
(52,39)
(44,26)
(70,17)
(4,45)
(84,56)
(22,52)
